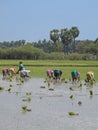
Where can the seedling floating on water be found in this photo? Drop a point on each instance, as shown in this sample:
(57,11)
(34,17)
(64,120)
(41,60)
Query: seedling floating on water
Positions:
(9,89)
(1,88)
(91,92)
(11,80)
(71,96)
(66,81)
(27,100)
(51,89)
(63,79)
(22,81)
(11,85)
(24,108)
(28,93)
(71,88)
(42,86)
(73,113)
(79,103)
(48,84)
(80,86)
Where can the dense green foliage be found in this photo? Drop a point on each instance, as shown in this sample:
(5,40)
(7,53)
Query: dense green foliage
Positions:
(61,46)
(84,51)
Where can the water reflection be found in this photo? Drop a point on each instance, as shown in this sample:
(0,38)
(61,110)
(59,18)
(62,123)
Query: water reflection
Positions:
(49,109)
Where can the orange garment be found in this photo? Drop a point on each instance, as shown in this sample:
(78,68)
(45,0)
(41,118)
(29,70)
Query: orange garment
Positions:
(13,70)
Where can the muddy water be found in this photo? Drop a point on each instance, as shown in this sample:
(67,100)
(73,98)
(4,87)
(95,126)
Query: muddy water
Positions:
(49,109)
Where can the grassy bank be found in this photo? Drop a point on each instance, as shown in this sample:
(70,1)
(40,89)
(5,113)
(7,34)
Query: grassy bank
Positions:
(38,67)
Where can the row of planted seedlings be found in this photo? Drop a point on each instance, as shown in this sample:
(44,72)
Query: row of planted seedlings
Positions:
(19,82)
(89,85)
(27,98)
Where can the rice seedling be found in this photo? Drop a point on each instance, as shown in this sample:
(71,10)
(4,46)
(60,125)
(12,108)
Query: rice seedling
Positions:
(28,93)
(42,86)
(71,96)
(48,84)
(11,85)
(28,99)
(79,103)
(73,113)
(1,88)
(24,107)
(22,80)
(71,88)
(91,82)
(9,89)
(91,92)
(51,89)
(80,86)
(66,81)
(62,79)
(11,79)
(28,109)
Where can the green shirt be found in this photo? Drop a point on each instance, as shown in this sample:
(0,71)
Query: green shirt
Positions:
(21,66)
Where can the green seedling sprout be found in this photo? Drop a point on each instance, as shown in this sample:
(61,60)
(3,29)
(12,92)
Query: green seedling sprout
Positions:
(11,85)
(9,89)
(71,88)
(73,113)
(91,92)
(48,84)
(28,93)
(28,99)
(42,86)
(1,88)
(24,107)
(66,81)
(51,89)
(79,103)
(71,97)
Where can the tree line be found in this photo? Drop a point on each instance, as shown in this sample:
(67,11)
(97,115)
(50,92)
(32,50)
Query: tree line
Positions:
(62,45)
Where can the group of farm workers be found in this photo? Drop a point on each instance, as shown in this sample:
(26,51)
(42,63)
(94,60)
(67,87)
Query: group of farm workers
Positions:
(75,75)
(12,71)
(55,74)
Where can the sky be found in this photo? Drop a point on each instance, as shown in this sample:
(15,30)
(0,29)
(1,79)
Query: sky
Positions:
(32,20)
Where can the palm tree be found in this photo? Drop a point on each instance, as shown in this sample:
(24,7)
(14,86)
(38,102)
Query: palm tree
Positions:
(75,32)
(54,35)
(96,41)
(66,38)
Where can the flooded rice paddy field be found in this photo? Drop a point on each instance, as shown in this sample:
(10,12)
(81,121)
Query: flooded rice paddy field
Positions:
(36,105)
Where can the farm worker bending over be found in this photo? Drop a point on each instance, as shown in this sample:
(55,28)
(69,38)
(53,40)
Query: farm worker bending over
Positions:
(12,70)
(49,73)
(57,74)
(90,75)
(75,75)
(5,72)
(24,73)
